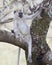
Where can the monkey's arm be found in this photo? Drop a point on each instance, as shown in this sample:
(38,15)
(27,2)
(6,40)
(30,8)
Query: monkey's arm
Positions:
(33,16)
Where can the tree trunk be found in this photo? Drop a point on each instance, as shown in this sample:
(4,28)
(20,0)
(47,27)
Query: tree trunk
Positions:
(40,51)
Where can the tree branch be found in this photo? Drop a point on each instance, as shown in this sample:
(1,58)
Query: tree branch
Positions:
(6,21)
(9,37)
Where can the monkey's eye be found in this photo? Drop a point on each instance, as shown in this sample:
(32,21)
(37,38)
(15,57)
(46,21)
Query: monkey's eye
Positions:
(14,12)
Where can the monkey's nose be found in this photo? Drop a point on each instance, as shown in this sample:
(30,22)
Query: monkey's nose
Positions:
(20,14)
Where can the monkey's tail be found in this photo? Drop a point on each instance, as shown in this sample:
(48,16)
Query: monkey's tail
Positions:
(19,49)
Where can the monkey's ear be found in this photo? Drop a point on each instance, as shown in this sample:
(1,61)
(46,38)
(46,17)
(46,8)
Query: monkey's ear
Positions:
(14,12)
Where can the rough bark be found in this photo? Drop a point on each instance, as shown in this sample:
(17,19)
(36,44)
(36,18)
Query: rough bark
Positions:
(40,51)
(9,37)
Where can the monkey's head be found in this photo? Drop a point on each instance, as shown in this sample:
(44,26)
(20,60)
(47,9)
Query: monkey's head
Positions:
(22,9)
(19,11)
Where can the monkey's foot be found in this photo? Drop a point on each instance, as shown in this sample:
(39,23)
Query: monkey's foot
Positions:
(29,59)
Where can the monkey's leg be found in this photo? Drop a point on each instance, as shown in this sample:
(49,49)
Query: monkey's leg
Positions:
(19,49)
(30,50)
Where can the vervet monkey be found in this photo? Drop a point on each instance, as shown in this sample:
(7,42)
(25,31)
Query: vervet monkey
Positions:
(22,28)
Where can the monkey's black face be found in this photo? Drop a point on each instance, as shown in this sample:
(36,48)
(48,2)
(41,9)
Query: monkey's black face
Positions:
(20,14)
